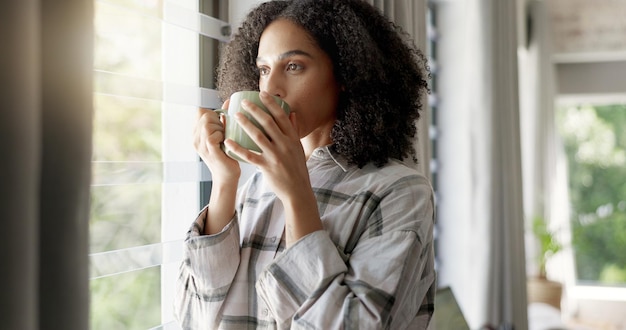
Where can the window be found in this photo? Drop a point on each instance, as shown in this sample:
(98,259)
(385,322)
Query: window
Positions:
(590,60)
(594,137)
(147,179)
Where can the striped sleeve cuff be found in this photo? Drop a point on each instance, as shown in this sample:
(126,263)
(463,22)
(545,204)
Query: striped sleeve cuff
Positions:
(297,274)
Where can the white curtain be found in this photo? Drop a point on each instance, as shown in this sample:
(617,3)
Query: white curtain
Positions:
(411,16)
(45,143)
(480,241)
(537,89)
(545,162)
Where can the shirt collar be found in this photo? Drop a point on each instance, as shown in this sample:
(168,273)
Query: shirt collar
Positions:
(328,153)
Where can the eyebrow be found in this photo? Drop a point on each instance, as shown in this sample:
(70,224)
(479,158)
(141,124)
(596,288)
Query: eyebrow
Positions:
(289,54)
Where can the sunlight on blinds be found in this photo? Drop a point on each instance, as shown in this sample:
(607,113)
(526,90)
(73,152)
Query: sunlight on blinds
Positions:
(146,175)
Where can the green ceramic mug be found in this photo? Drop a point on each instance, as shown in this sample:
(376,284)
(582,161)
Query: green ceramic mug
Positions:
(233,131)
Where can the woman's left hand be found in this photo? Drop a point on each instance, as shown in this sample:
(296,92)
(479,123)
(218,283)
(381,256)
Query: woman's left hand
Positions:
(282,160)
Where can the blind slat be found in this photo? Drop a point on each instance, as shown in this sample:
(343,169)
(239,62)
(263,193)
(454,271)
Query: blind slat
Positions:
(110,83)
(128,172)
(175,14)
(167,326)
(115,262)
(197,22)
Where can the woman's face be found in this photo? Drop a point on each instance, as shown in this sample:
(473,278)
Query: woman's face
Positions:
(294,68)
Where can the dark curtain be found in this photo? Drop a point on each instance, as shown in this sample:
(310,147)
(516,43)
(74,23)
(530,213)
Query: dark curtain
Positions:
(45,145)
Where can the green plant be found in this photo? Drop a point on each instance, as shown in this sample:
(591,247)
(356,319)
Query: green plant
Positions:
(548,243)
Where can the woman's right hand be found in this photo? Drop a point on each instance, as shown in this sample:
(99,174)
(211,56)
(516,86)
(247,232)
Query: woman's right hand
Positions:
(208,136)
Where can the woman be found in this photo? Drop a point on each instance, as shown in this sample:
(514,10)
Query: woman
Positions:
(333,230)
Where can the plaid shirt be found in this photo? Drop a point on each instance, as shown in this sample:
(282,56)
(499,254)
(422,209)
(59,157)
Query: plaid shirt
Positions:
(372,267)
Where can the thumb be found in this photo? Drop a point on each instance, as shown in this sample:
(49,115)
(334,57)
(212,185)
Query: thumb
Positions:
(226,104)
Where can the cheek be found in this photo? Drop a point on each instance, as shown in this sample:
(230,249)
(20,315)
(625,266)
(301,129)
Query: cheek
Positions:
(322,95)
(316,103)
(326,102)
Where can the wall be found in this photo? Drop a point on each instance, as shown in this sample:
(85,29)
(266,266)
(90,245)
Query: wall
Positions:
(590,46)
(588,26)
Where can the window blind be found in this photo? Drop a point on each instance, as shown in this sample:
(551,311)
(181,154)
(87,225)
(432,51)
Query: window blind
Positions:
(148,60)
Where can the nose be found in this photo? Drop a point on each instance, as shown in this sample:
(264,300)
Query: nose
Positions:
(273,84)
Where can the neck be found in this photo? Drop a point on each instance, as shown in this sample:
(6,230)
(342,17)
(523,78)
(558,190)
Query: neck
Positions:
(314,141)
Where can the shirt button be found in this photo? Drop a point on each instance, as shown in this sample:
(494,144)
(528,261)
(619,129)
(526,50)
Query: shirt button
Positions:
(265,311)
(273,239)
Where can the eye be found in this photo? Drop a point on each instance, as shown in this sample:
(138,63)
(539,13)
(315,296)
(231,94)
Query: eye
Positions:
(293,67)
(263,71)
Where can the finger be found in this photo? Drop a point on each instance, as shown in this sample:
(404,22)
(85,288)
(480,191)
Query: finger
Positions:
(254,132)
(209,131)
(226,104)
(198,132)
(211,122)
(206,117)
(272,130)
(247,155)
(202,111)
(278,113)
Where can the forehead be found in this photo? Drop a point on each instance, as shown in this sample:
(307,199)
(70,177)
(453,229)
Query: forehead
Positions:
(283,35)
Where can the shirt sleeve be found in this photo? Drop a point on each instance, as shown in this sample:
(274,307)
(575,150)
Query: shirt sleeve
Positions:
(384,282)
(206,273)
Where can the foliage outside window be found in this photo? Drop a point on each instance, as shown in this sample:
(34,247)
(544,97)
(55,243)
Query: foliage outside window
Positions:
(126,194)
(595,142)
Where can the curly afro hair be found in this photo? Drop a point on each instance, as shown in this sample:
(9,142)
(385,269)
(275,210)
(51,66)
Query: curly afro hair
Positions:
(384,76)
